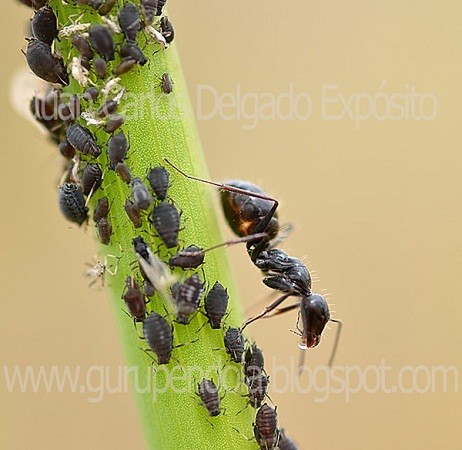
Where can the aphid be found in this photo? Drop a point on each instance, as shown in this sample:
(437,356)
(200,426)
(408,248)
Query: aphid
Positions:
(100,67)
(124,66)
(134,300)
(149,290)
(166,83)
(85,62)
(92,178)
(234,344)
(153,269)
(95,4)
(44,25)
(107,108)
(193,256)
(129,21)
(36,4)
(208,393)
(82,140)
(79,72)
(187,296)
(156,35)
(141,196)
(149,10)
(82,45)
(160,6)
(104,230)
(166,29)
(133,213)
(66,149)
(265,427)
(253,361)
(117,148)
(106,7)
(124,172)
(215,304)
(132,51)
(285,443)
(70,30)
(98,270)
(159,336)
(102,41)
(91,94)
(166,220)
(159,180)
(101,209)
(114,123)
(46,65)
(72,203)
(258,388)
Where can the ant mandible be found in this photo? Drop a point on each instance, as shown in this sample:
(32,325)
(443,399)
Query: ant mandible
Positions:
(248,211)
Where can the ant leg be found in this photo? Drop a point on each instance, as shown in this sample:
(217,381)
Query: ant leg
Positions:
(266,310)
(337,339)
(283,310)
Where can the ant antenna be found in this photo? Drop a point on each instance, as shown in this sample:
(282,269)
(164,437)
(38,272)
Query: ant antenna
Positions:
(337,339)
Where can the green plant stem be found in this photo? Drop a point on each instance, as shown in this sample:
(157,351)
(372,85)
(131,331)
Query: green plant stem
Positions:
(171,420)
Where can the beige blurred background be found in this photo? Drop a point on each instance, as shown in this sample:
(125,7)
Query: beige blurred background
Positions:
(377,209)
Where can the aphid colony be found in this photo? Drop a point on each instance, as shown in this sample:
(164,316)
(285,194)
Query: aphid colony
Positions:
(92,137)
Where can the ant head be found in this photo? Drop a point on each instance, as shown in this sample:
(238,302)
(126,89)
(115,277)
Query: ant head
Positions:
(314,315)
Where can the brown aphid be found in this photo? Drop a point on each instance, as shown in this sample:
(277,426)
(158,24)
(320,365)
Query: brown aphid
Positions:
(134,300)
(82,45)
(208,393)
(265,428)
(124,172)
(114,123)
(100,67)
(104,230)
(124,66)
(101,209)
(166,83)
(92,178)
(107,108)
(133,213)
(66,149)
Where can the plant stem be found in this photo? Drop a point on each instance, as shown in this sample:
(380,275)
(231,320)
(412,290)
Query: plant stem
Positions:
(173,419)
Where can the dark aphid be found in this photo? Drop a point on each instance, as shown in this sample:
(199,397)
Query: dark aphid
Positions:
(102,42)
(159,336)
(85,63)
(129,21)
(166,220)
(82,45)
(133,213)
(100,67)
(253,361)
(265,428)
(101,209)
(117,148)
(216,303)
(285,443)
(187,296)
(44,25)
(134,300)
(46,112)
(149,290)
(92,178)
(140,193)
(124,172)
(72,203)
(46,65)
(149,10)
(190,257)
(114,123)
(106,7)
(208,393)
(258,388)
(234,344)
(160,6)
(124,66)
(141,247)
(66,149)
(132,51)
(108,107)
(82,140)
(166,83)
(91,94)
(104,231)
(159,180)
(166,29)
(95,4)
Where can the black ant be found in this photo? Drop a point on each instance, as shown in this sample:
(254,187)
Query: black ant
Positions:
(248,211)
